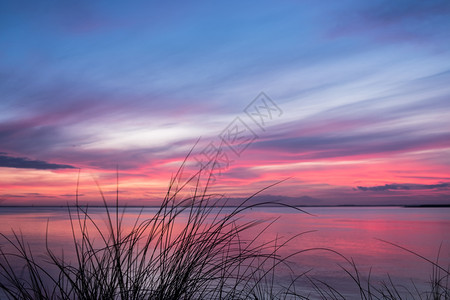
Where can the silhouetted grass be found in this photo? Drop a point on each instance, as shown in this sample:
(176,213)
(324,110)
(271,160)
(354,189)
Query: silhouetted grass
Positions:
(205,258)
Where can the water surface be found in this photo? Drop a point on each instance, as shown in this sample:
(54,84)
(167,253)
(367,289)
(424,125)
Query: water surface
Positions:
(355,232)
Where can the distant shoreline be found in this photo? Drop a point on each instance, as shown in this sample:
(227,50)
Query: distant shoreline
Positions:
(232,206)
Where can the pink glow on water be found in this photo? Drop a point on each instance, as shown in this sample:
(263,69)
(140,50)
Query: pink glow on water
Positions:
(353,232)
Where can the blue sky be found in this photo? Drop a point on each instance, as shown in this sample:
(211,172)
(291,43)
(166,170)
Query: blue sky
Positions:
(363,87)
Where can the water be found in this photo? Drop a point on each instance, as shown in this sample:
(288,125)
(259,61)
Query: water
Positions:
(354,232)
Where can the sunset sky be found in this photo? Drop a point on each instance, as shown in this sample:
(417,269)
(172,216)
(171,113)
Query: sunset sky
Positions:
(349,100)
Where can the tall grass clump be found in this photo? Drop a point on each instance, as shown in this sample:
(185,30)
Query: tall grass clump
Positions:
(205,258)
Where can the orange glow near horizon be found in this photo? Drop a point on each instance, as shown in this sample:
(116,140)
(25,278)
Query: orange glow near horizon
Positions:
(148,184)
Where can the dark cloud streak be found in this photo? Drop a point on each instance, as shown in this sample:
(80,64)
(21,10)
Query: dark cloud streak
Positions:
(25,163)
(394,186)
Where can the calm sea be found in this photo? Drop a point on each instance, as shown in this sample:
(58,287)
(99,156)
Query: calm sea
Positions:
(355,232)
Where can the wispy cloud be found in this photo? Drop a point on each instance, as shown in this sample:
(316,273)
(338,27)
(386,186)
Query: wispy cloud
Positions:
(394,22)
(363,87)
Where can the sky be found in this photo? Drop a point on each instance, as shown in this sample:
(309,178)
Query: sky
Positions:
(347,101)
